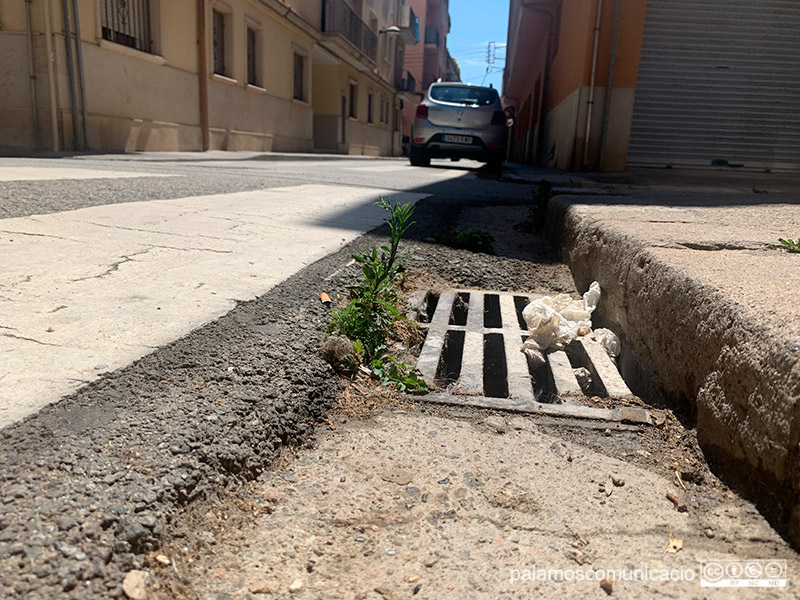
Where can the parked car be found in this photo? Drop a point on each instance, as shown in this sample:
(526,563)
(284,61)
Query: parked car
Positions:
(459,120)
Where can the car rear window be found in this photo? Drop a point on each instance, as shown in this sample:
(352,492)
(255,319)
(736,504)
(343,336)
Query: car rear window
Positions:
(464,95)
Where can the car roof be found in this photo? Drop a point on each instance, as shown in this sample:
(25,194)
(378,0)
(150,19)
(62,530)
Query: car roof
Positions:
(460,84)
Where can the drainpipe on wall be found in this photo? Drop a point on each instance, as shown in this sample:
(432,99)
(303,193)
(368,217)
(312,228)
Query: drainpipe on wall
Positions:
(32,76)
(71,75)
(609,89)
(51,79)
(590,103)
(81,82)
(545,84)
(201,74)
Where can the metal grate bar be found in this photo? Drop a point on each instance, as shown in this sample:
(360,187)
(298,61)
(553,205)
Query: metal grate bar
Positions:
(613,383)
(428,360)
(470,387)
(563,375)
(471,380)
(520,385)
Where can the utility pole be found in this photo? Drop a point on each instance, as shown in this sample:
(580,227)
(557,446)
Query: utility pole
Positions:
(491,53)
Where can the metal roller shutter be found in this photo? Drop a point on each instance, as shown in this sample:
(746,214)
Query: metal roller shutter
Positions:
(719,83)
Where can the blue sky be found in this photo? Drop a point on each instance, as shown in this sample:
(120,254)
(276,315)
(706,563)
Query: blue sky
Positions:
(473,24)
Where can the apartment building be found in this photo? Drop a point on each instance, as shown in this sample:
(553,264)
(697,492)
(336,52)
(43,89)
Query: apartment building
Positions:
(358,82)
(600,85)
(428,61)
(265,76)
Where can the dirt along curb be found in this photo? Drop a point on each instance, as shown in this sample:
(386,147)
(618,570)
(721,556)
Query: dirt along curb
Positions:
(693,318)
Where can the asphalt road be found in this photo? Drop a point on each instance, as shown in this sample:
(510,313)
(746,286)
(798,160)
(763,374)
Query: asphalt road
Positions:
(149,177)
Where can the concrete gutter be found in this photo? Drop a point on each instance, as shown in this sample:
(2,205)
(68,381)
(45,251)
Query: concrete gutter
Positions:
(701,300)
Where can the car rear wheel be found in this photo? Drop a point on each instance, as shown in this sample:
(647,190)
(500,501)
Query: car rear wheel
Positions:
(495,162)
(418,157)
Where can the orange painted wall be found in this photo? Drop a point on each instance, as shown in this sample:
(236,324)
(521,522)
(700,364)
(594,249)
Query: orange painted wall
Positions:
(571,65)
(629,43)
(572,60)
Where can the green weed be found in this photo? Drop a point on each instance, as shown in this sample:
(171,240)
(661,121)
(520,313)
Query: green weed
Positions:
(473,240)
(372,310)
(392,371)
(537,213)
(788,244)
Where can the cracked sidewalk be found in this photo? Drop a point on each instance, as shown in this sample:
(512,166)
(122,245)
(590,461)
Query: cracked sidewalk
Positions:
(91,290)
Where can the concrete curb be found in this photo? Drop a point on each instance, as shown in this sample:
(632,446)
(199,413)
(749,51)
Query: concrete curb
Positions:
(734,373)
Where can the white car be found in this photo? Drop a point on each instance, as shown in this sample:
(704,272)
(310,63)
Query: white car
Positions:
(459,120)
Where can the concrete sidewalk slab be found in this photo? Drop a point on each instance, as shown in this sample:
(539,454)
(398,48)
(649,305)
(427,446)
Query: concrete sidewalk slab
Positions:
(91,290)
(698,295)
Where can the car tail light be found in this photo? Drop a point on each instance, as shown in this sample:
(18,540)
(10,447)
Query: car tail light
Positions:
(499,118)
(422,111)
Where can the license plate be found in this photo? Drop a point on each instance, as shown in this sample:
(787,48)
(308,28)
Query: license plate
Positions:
(458,139)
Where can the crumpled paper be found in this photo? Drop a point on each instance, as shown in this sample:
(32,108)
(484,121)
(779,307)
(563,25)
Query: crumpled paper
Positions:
(555,321)
(608,340)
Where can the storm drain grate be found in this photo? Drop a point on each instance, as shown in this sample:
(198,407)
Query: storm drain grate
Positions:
(472,348)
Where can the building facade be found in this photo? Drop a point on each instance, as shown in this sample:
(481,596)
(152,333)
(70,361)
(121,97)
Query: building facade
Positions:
(427,62)
(601,85)
(264,77)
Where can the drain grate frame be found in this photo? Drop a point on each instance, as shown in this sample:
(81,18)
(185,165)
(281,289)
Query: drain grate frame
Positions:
(493,328)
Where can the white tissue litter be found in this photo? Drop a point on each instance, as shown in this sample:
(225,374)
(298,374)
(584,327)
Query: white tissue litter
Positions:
(554,322)
(608,340)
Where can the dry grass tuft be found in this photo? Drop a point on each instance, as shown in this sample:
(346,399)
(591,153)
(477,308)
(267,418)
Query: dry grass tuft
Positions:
(364,398)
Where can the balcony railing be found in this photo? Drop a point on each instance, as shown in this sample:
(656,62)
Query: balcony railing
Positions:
(405,82)
(338,17)
(409,25)
(431,35)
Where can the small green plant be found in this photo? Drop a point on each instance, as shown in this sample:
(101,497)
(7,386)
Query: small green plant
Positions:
(392,371)
(473,240)
(371,310)
(788,244)
(760,191)
(368,318)
(537,212)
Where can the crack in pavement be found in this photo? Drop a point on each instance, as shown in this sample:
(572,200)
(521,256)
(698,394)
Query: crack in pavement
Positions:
(214,250)
(716,246)
(211,237)
(45,235)
(126,258)
(27,339)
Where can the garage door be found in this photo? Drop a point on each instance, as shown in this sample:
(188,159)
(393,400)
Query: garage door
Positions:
(719,84)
